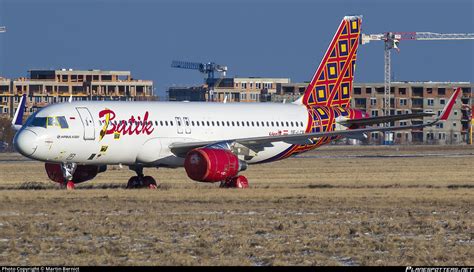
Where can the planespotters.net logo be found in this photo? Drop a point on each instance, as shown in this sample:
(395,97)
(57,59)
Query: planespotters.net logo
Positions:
(439,269)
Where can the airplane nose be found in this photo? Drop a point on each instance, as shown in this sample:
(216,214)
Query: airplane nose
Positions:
(25,142)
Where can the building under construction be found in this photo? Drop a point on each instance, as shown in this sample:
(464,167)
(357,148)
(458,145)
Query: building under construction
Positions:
(405,97)
(43,87)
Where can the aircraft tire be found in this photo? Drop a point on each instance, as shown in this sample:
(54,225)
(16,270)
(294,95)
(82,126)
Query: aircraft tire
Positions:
(150,182)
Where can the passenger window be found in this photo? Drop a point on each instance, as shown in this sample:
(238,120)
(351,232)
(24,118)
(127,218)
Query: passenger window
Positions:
(291,123)
(248,123)
(166,123)
(212,123)
(171,122)
(277,124)
(287,124)
(238,123)
(228,124)
(268,124)
(262,123)
(161,123)
(192,123)
(273,124)
(253,124)
(208,123)
(233,124)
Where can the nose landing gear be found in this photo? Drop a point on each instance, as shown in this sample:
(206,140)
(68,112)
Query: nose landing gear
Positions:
(140,180)
(68,170)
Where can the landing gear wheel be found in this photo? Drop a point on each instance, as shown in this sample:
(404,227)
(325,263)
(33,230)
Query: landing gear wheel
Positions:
(150,182)
(70,185)
(236,182)
(133,182)
(142,182)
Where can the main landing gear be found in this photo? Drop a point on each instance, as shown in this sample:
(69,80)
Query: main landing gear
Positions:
(140,180)
(68,170)
(235,182)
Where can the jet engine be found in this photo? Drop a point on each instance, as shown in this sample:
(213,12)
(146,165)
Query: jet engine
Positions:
(212,165)
(82,173)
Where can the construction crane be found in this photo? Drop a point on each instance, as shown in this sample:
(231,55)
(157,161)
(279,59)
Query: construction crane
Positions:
(209,69)
(391,41)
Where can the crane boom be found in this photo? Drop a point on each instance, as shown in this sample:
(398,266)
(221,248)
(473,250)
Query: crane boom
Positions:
(436,36)
(188,65)
(426,36)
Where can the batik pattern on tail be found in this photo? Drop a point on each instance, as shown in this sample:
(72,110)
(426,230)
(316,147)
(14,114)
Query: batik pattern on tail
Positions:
(320,119)
(332,83)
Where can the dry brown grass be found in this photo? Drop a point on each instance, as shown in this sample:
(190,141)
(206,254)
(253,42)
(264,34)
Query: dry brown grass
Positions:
(338,211)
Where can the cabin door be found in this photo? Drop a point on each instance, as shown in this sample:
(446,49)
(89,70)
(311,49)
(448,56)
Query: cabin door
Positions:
(87,123)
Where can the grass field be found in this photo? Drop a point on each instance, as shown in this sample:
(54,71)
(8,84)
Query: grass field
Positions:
(347,207)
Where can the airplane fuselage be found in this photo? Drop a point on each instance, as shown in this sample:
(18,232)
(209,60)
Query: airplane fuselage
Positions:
(129,133)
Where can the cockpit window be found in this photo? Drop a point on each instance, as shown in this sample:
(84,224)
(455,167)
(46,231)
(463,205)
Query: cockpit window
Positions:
(57,121)
(62,122)
(38,122)
(53,122)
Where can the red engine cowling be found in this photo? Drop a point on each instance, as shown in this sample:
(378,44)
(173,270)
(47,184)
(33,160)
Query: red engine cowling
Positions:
(82,173)
(212,165)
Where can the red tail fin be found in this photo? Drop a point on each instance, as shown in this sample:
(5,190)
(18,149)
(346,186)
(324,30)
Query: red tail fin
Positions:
(332,83)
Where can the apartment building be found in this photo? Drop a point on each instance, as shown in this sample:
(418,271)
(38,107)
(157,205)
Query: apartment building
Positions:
(407,97)
(236,89)
(43,87)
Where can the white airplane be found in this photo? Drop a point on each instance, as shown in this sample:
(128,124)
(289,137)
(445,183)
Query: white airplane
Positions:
(213,141)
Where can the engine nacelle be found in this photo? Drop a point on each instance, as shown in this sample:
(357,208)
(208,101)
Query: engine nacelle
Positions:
(212,165)
(82,173)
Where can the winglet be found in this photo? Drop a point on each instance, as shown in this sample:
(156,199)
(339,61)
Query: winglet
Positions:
(449,106)
(17,121)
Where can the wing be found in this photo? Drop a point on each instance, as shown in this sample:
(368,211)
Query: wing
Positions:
(256,144)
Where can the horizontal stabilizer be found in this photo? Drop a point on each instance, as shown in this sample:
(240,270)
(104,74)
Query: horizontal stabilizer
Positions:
(384,119)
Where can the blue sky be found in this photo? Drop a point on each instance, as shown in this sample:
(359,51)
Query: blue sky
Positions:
(284,38)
